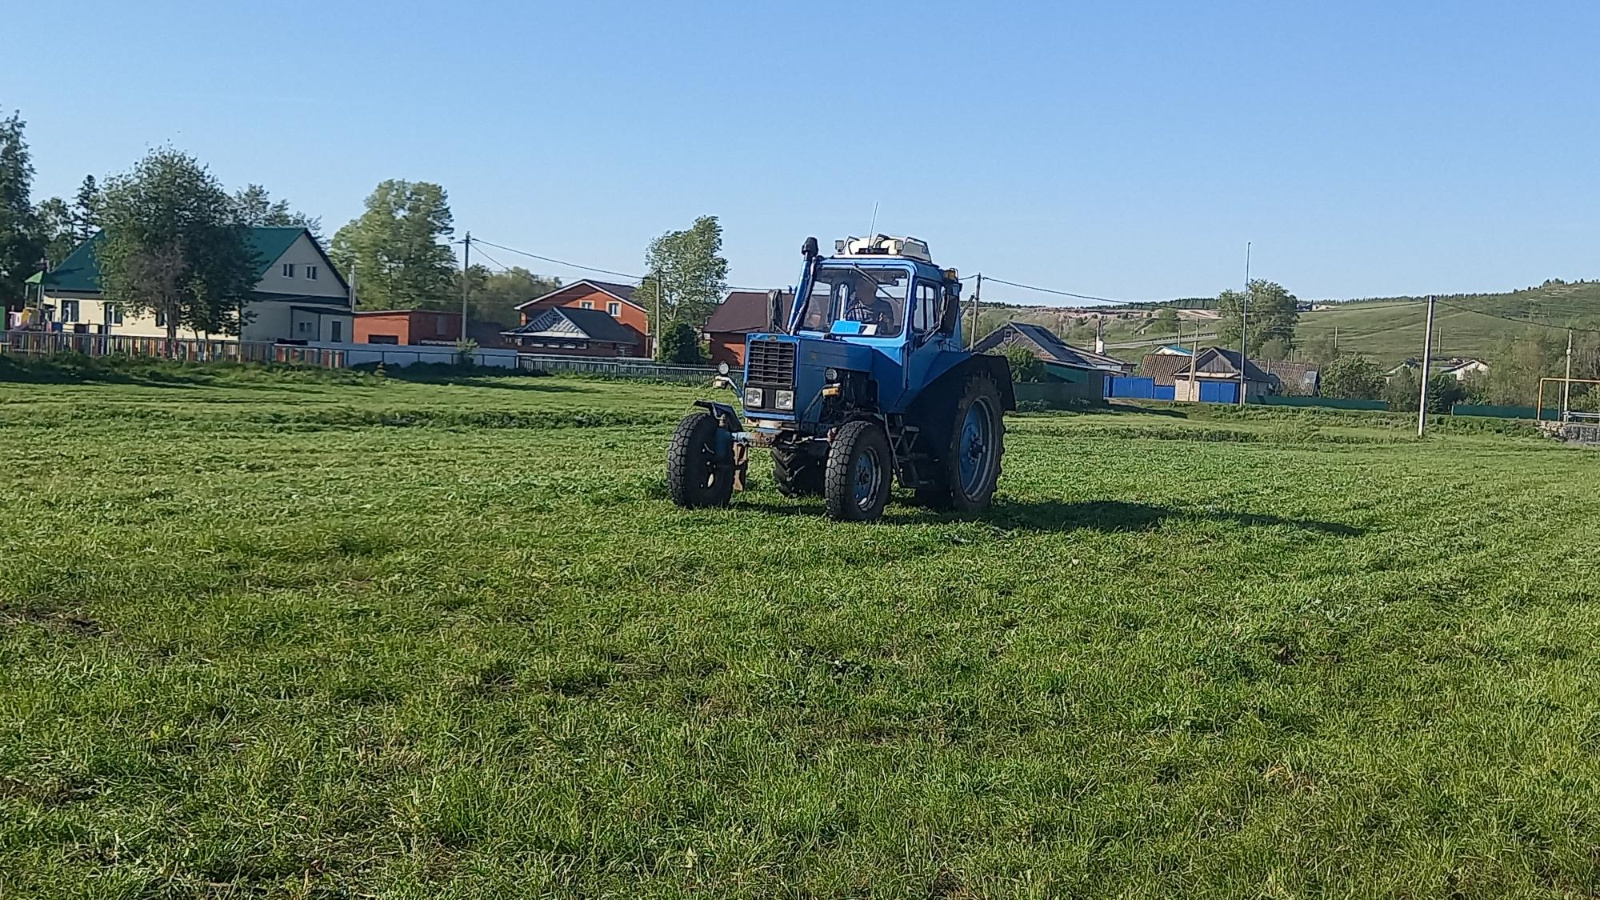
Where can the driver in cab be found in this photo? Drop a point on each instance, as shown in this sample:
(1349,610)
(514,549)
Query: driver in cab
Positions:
(867,307)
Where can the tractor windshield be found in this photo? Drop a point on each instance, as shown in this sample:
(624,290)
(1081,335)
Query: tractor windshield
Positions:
(875,296)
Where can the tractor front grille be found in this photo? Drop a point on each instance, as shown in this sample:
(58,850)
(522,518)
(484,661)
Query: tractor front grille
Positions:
(771,364)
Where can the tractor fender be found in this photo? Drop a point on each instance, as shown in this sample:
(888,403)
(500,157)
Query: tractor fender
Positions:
(931,410)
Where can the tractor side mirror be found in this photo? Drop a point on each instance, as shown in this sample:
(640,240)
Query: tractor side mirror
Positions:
(775,310)
(951,314)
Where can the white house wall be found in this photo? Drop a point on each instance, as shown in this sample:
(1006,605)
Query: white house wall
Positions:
(302,253)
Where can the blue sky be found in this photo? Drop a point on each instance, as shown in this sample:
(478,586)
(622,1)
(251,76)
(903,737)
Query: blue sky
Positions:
(1125,149)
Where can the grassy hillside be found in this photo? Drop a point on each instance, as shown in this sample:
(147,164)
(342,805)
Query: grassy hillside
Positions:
(327,639)
(1391,329)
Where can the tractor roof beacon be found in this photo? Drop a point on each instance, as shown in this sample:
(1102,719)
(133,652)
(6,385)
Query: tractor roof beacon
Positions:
(862,384)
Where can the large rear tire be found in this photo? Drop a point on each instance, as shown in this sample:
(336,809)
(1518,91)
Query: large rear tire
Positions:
(860,469)
(966,476)
(797,473)
(695,477)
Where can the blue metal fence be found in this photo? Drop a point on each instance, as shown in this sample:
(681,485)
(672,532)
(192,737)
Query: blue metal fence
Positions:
(1128,387)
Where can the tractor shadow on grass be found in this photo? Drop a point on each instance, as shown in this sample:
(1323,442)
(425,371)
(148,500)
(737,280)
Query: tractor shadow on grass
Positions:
(1045,516)
(1116,515)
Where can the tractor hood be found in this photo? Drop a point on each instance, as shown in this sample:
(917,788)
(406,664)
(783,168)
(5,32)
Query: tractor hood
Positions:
(776,363)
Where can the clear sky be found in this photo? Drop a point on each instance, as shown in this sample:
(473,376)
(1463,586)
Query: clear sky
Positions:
(1125,149)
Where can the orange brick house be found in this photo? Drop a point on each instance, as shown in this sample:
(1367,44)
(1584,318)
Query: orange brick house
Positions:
(740,313)
(615,300)
(407,326)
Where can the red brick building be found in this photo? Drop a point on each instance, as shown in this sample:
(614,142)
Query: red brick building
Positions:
(615,300)
(739,314)
(407,326)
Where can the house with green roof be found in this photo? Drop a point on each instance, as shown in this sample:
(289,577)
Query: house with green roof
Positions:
(299,295)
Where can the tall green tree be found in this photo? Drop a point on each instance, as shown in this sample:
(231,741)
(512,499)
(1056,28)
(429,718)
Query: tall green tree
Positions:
(86,209)
(1272,315)
(174,246)
(21,246)
(57,229)
(397,248)
(692,275)
(256,208)
(496,295)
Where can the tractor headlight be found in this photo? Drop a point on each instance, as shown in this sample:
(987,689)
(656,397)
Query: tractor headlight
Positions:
(830,375)
(785,401)
(752,397)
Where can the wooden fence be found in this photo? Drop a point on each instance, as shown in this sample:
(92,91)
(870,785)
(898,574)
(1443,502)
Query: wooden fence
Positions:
(48,343)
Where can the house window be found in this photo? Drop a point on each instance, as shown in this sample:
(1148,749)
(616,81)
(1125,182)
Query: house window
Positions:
(337,332)
(383,339)
(311,272)
(69,310)
(288,270)
(305,327)
(587,304)
(613,309)
(113,314)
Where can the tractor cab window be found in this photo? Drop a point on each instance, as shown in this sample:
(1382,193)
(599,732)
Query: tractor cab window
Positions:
(873,296)
(925,318)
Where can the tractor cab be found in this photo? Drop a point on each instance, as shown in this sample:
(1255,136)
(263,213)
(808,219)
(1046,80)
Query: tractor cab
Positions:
(862,384)
(870,325)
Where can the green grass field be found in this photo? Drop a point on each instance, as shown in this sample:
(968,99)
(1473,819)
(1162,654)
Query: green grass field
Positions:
(349,637)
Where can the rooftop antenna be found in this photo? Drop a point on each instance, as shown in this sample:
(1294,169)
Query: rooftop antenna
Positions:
(873,228)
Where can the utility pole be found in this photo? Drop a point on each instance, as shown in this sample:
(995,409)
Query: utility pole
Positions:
(466,280)
(1335,340)
(977,292)
(1244,326)
(1427,354)
(1566,385)
(655,345)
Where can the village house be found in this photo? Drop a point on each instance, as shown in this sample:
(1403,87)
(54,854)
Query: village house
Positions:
(575,331)
(605,297)
(1211,377)
(1051,349)
(299,295)
(739,314)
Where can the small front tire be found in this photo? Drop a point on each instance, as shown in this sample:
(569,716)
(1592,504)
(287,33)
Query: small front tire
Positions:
(860,468)
(695,476)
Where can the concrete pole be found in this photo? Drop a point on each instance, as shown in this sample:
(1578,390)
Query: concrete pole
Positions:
(1566,386)
(466,280)
(977,292)
(1427,354)
(1244,327)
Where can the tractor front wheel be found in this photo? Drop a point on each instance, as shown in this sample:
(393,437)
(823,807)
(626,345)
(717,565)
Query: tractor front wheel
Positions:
(695,476)
(860,467)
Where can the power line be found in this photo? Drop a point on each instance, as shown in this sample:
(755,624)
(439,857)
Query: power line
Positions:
(1519,320)
(1055,292)
(559,262)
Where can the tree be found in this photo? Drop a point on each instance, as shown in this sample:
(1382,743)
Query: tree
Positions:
(681,345)
(85,213)
(174,246)
(494,296)
(21,246)
(1322,349)
(396,249)
(1518,363)
(1167,320)
(1401,390)
(57,229)
(1272,314)
(692,273)
(1025,366)
(1352,377)
(256,208)
(1273,349)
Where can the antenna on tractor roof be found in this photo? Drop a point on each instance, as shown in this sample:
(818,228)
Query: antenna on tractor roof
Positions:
(873,228)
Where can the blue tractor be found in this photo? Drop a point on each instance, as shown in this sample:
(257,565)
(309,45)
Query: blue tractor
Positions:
(862,382)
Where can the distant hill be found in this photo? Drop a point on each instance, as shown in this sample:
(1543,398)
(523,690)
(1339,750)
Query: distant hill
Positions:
(1389,329)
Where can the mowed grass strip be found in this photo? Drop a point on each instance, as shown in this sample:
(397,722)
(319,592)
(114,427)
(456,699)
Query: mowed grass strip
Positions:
(258,644)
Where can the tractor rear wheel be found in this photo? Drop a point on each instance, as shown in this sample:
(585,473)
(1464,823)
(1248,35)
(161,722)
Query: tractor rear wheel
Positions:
(860,468)
(797,473)
(695,477)
(966,477)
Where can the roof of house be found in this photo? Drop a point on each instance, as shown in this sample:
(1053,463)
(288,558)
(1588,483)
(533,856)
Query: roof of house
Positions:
(80,271)
(623,292)
(742,312)
(1301,376)
(569,323)
(1164,368)
(1049,347)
